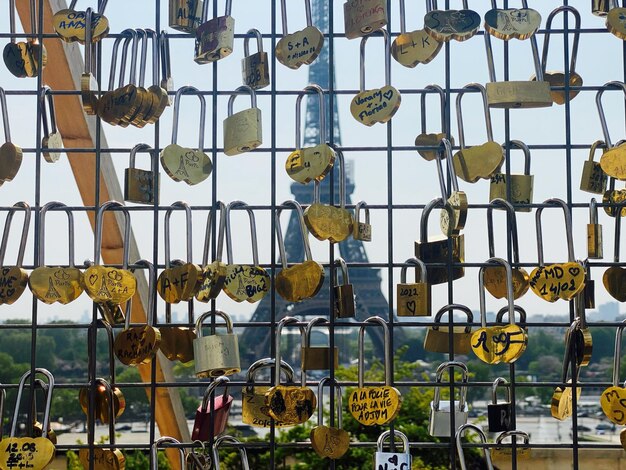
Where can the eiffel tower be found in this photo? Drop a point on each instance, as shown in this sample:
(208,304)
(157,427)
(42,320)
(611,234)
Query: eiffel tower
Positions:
(366,281)
(52,292)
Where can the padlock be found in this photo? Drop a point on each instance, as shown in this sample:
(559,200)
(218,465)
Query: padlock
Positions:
(461,431)
(600,7)
(215,37)
(198,458)
(89,86)
(301,47)
(392,460)
(185,15)
(255,68)
(14,279)
(141,186)
(439,424)
(167,82)
(243,131)
(177,341)
(521,185)
(35,427)
(216,354)
(522,450)
(613,199)
(500,415)
(425,139)
(594,233)
(582,335)
(154,450)
(561,403)
(453,216)
(253,409)
(363,17)
(332,442)
(289,404)
(243,455)
(614,275)
(512,23)
(10,154)
(51,136)
(593,179)
(589,292)
(375,405)
(611,400)
(25,59)
(437,249)
(217,413)
(362,230)
(317,357)
(612,160)
(438,336)
(70,24)
(345,306)
(213,274)
(414,298)
(416,47)
(512,94)
(444,25)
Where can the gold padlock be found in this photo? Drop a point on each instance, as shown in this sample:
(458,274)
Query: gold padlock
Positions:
(243,131)
(594,233)
(213,274)
(216,354)
(215,37)
(332,442)
(363,17)
(561,406)
(453,216)
(503,451)
(141,186)
(177,341)
(445,25)
(433,140)
(612,398)
(593,179)
(362,230)
(483,439)
(512,23)
(345,305)
(414,299)
(613,200)
(51,136)
(89,86)
(438,336)
(167,82)
(416,47)
(317,357)
(14,279)
(613,277)
(255,68)
(10,154)
(185,15)
(612,161)
(521,186)
(301,47)
(600,7)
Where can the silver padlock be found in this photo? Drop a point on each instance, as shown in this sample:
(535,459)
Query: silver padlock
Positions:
(439,425)
(242,130)
(392,460)
(483,440)
(216,354)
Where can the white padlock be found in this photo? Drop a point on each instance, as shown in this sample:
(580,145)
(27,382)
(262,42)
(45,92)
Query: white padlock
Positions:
(392,460)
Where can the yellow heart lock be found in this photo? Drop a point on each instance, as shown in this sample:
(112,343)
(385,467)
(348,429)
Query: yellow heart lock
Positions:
(18,59)
(512,23)
(453,215)
(416,47)
(613,161)
(614,198)
(445,25)
(614,278)
(13,279)
(301,47)
(425,139)
(616,22)
(613,399)
(330,442)
(213,274)
(69,24)
(177,342)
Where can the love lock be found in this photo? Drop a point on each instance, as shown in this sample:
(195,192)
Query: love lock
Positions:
(10,154)
(500,415)
(438,335)
(364,17)
(522,450)
(561,406)
(613,161)
(461,431)
(614,278)
(445,25)
(217,413)
(14,279)
(216,354)
(213,274)
(521,186)
(593,179)
(214,37)
(613,399)
(440,413)
(414,299)
(243,131)
(141,186)
(416,47)
(433,140)
(185,15)
(616,20)
(70,24)
(392,460)
(453,216)
(301,47)
(329,442)
(255,67)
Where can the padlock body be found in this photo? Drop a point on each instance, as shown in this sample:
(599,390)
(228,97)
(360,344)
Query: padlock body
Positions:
(242,131)
(202,423)
(439,424)
(140,186)
(437,340)
(593,179)
(589,293)
(600,7)
(216,355)
(414,299)
(254,410)
(436,251)
(344,301)
(519,94)
(362,17)
(362,231)
(319,358)
(392,461)
(594,241)
(499,416)
(255,70)
(214,39)
(185,15)
(521,189)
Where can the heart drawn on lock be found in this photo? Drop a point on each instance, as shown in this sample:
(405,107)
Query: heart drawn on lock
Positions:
(26,452)
(613,402)
(416,47)
(614,280)
(299,48)
(246,282)
(310,163)
(179,283)
(290,404)
(301,281)
(185,164)
(480,161)
(211,282)
(616,22)
(13,282)
(52,285)
(557,281)
(430,140)
(613,162)
(377,105)
(70,25)
(561,404)
(177,343)
(497,344)
(374,405)
(137,345)
(332,443)
(328,222)
(444,25)
(495,281)
(512,23)
(104,459)
(109,285)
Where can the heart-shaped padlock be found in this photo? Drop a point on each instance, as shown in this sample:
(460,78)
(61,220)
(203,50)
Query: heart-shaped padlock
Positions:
(445,25)
(14,279)
(329,442)
(103,459)
(616,22)
(512,23)
(301,47)
(111,285)
(416,47)
(69,24)
(213,274)
(26,452)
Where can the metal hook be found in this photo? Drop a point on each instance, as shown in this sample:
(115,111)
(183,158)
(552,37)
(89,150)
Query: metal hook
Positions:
(253,236)
(189,90)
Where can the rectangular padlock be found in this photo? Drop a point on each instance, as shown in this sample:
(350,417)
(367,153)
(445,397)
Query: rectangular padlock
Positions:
(140,185)
(593,179)
(214,39)
(439,425)
(392,460)
(499,416)
(518,94)
(185,15)
(255,70)
(361,17)
(216,354)
(521,189)
(344,301)
(435,250)
(319,358)
(242,131)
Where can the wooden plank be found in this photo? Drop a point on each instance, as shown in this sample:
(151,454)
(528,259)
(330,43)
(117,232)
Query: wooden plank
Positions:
(79,131)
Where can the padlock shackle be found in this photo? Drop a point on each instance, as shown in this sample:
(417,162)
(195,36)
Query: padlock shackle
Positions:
(92,335)
(166,63)
(524,148)
(385,36)
(486,111)
(568,229)
(357,212)
(333,383)
(125,36)
(221,233)
(340,265)
(618,230)
(516,308)
(322,113)
(500,381)
(3,399)
(277,363)
(603,123)
(283,13)
(419,264)
(593,212)
(42,231)
(252,33)
(266,363)
(568,348)
(155,447)
(303,231)
(205,10)
(22,205)
(380,442)
(242,90)
(315,321)
(463,389)
(509,290)
(253,237)
(222,380)
(483,439)
(100,223)
(189,90)
(616,355)
(444,152)
(450,308)
(224,439)
(111,405)
(342,174)
(46,417)
(188,231)
(494,4)
(5,115)
(89,45)
(375,321)
(132,73)
(141,148)
(548,30)
(150,310)
(435,6)
(511,219)
(101,5)
(501,437)
(428,89)
(218,313)
(428,208)
(45,95)
(142,36)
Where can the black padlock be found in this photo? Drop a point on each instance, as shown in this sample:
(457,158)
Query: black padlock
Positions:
(500,415)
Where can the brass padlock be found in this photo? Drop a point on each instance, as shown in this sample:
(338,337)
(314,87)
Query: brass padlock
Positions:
(433,139)
(51,136)
(25,59)
(243,455)
(10,154)
(363,17)
(255,68)
(399,460)
(512,23)
(445,25)
(593,179)
(167,82)
(177,341)
(213,274)
(594,233)
(154,451)
(414,299)
(438,336)
(441,414)
(453,216)
(253,408)
(215,37)
(461,431)
(612,398)
(612,161)
(512,94)
(613,277)
(332,442)
(522,450)
(362,230)
(141,186)
(185,15)
(561,404)
(243,131)
(301,47)
(70,24)
(500,415)
(521,186)
(216,354)
(416,47)
(614,199)
(14,279)
(589,292)
(439,250)
(345,306)
(317,357)
(600,7)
